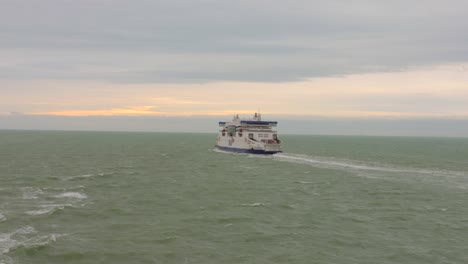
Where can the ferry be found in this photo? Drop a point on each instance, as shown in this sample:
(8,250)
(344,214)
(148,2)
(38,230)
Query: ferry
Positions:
(248,136)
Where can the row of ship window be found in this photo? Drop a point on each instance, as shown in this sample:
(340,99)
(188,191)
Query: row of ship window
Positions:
(233,134)
(251,135)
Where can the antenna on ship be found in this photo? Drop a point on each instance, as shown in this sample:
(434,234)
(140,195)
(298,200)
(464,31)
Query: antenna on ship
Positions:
(257,117)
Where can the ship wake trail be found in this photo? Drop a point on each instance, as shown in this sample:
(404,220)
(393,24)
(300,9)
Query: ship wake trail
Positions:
(374,170)
(331,163)
(227,152)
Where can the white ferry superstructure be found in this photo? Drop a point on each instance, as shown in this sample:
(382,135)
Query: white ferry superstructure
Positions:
(248,136)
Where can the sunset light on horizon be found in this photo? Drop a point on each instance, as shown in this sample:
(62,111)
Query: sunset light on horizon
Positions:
(429,92)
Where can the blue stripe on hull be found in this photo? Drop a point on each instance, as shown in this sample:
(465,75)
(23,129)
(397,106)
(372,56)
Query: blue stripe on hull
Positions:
(252,151)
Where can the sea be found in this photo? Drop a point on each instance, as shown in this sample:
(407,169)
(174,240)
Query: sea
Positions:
(128,197)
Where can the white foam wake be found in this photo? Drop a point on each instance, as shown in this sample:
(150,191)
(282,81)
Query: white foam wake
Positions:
(377,170)
(329,162)
(333,163)
(227,152)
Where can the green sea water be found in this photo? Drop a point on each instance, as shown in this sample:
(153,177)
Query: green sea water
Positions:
(109,197)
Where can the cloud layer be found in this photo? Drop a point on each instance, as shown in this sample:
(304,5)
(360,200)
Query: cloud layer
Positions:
(204,41)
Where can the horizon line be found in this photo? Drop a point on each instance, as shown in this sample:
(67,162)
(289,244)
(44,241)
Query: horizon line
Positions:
(214,133)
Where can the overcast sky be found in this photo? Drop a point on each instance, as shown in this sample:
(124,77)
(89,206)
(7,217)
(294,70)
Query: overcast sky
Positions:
(288,59)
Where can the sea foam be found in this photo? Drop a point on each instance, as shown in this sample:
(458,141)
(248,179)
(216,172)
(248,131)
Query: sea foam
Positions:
(75,195)
(31,192)
(7,242)
(85,176)
(253,204)
(26,237)
(48,209)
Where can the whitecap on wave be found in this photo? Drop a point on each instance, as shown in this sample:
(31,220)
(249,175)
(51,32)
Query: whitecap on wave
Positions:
(6,244)
(7,241)
(31,192)
(48,209)
(25,230)
(2,217)
(253,204)
(79,187)
(303,182)
(75,195)
(26,237)
(39,241)
(85,176)
(44,206)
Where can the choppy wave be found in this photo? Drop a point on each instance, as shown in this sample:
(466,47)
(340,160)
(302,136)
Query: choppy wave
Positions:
(127,166)
(41,199)
(6,244)
(253,204)
(25,230)
(85,176)
(26,237)
(8,241)
(2,217)
(40,241)
(303,182)
(48,209)
(30,193)
(75,195)
(79,187)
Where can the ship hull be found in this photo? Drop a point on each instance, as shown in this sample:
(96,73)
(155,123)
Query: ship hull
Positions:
(250,151)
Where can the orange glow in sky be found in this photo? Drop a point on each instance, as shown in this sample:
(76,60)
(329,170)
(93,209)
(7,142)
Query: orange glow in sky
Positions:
(428,92)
